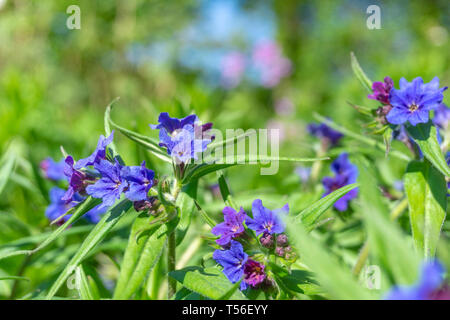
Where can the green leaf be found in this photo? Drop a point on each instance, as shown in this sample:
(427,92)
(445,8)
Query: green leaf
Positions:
(142,254)
(84,286)
(296,280)
(108,130)
(425,135)
(210,221)
(147,142)
(14,278)
(225,191)
(426,190)
(361,138)
(335,278)
(103,227)
(80,210)
(359,73)
(309,216)
(7,164)
(209,282)
(388,245)
(185,203)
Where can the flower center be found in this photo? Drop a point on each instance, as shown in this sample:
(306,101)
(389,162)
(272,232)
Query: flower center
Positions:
(413,107)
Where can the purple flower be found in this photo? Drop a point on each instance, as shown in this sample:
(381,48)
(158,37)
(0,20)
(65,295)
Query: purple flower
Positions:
(324,132)
(140,180)
(345,173)
(111,185)
(98,154)
(232,226)
(233,262)
(77,180)
(265,220)
(413,101)
(431,279)
(254,273)
(183,138)
(442,116)
(381,90)
(53,170)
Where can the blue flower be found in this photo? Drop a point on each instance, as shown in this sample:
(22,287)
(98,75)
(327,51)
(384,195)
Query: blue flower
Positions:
(233,262)
(430,281)
(140,180)
(53,170)
(95,214)
(265,220)
(183,138)
(345,173)
(413,101)
(57,206)
(111,185)
(325,133)
(232,226)
(98,154)
(442,116)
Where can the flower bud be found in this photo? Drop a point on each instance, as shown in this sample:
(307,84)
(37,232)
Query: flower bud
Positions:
(282,240)
(279,251)
(266,240)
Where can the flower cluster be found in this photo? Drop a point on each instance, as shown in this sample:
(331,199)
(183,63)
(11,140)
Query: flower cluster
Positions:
(345,173)
(183,138)
(236,263)
(430,285)
(102,178)
(411,103)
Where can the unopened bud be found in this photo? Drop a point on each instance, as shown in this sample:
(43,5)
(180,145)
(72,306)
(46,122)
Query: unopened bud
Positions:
(266,240)
(279,251)
(282,240)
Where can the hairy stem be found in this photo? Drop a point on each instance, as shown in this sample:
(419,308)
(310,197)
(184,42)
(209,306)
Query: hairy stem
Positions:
(171,261)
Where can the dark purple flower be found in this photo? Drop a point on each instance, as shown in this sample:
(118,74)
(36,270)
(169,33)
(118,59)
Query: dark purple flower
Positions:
(413,101)
(98,154)
(381,90)
(183,138)
(431,279)
(140,181)
(232,226)
(78,180)
(111,185)
(322,131)
(265,220)
(233,261)
(53,170)
(254,272)
(345,173)
(442,116)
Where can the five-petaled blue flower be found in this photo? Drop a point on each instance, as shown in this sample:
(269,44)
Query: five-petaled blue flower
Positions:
(53,170)
(232,226)
(325,133)
(413,101)
(233,262)
(345,173)
(183,138)
(265,220)
(111,185)
(98,154)
(140,180)
(430,281)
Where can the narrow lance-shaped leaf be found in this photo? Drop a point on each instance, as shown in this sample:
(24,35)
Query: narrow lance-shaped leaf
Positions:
(359,73)
(425,135)
(103,227)
(209,282)
(426,190)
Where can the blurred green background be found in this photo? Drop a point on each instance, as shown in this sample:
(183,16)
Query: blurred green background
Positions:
(171,56)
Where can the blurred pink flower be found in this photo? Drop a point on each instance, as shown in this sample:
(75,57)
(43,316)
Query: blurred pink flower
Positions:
(284,107)
(271,63)
(233,66)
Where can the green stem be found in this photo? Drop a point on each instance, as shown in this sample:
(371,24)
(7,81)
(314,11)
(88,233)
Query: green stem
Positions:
(171,262)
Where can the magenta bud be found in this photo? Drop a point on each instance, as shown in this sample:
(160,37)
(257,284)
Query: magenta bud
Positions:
(266,240)
(282,240)
(279,251)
